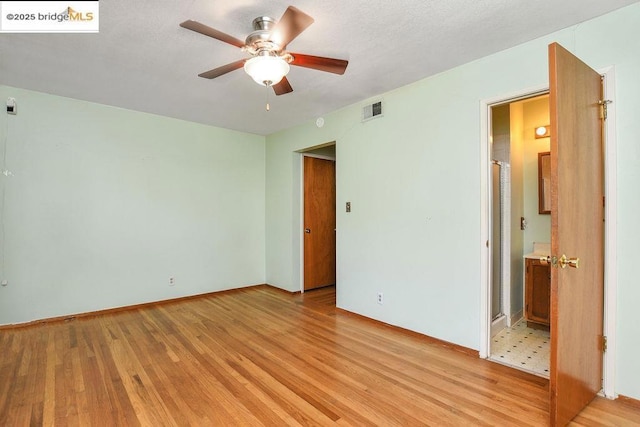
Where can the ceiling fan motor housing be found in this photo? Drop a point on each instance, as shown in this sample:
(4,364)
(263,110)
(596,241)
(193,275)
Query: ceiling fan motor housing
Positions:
(259,41)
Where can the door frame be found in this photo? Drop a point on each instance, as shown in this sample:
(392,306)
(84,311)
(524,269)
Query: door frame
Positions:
(610,254)
(300,227)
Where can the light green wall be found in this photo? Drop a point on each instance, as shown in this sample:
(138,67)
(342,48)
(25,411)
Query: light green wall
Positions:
(535,113)
(105,204)
(413,178)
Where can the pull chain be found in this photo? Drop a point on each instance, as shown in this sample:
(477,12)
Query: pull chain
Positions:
(267,87)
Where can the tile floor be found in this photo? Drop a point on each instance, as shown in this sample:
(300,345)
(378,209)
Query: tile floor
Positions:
(523,348)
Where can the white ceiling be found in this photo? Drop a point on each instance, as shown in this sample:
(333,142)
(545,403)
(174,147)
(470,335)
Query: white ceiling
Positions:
(143,60)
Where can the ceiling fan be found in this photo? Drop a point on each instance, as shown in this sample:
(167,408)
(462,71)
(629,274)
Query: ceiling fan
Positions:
(269,62)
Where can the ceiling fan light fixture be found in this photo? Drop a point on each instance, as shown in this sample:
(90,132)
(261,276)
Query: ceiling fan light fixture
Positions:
(266,70)
(269,61)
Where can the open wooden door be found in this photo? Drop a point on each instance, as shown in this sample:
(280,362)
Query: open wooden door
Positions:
(577,230)
(319,223)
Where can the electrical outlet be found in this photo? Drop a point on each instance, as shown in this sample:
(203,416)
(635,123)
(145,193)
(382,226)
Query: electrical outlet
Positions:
(172,281)
(380,298)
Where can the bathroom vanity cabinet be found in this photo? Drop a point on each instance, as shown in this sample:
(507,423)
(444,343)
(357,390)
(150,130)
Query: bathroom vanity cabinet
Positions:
(537,292)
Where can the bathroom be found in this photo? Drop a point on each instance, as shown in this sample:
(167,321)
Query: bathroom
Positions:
(521,224)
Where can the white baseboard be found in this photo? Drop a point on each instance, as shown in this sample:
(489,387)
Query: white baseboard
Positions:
(516,317)
(498,324)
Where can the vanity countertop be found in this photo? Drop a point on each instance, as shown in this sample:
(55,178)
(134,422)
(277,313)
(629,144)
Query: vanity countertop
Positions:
(535,255)
(539,250)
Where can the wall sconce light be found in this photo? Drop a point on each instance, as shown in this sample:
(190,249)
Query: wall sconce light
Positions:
(542,132)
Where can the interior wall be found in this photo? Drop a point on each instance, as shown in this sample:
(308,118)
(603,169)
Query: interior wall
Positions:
(412,178)
(535,113)
(103,205)
(501,133)
(328,151)
(517,209)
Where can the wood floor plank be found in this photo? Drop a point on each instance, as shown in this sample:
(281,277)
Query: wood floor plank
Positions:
(260,356)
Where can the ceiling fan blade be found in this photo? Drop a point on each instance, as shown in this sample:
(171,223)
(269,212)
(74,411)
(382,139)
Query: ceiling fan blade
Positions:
(330,65)
(292,23)
(217,72)
(283,87)
(211,32)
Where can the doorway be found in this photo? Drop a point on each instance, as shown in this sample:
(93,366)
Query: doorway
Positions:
(318,218)
(520,235)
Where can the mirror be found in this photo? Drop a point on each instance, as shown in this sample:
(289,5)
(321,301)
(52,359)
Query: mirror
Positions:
(544,183)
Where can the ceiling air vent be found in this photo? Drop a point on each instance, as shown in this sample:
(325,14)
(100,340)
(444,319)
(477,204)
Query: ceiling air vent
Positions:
(372,111)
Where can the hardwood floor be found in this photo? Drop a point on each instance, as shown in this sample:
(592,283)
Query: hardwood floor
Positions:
(259,356)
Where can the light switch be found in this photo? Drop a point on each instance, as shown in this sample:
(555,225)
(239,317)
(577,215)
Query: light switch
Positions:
(348,206)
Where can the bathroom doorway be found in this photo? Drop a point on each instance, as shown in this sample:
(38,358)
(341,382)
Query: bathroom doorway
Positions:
(520,235)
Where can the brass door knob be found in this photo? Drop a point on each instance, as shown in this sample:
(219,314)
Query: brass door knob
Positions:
(571,262)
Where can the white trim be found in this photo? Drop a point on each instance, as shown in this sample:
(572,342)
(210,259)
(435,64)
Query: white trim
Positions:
(485,215)
(610,236)
(610,257)
(301,225)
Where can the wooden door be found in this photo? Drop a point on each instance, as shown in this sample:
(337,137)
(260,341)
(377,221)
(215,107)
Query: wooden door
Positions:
(319,223)
(577,230)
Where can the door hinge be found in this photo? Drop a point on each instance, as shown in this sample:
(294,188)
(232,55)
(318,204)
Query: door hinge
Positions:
(603,104)
(604,344)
